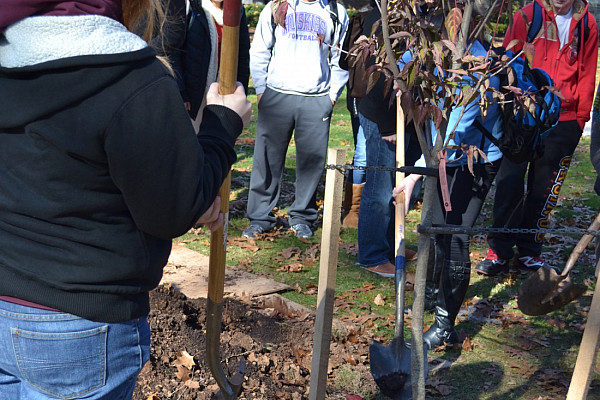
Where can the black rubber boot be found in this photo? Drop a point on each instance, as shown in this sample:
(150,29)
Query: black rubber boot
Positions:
(432,285)
(453,288)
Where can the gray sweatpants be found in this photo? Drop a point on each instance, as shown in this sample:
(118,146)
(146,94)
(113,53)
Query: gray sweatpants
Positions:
(279,115)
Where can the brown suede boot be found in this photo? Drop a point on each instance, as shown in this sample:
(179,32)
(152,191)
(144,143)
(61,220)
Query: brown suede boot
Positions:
(351,219)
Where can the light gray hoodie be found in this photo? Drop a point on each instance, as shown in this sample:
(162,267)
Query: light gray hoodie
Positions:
(291,60)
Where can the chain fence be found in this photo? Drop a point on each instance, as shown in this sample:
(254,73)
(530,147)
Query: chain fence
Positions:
(455,229)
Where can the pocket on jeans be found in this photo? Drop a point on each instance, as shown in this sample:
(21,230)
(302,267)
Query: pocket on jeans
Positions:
(66,365)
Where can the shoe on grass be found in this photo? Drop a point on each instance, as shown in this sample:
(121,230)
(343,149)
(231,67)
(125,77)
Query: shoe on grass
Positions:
(532,263)
(253,230)
(386,270)
(491,265)
(302,231)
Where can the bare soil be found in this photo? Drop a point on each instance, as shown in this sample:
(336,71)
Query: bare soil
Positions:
(276,348)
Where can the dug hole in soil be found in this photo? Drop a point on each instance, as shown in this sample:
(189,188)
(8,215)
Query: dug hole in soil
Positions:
(275,344)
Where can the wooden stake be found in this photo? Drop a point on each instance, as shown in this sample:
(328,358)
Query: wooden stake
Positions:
(327,274)
(584,366)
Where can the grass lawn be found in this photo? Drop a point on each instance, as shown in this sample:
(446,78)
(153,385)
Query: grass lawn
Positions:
(507,355)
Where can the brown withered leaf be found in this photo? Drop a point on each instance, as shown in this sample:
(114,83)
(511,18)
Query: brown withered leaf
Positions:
(244,244)
(289,252)
(185,359)
(311,289)
(453,22)
(293,267)
(467,345)
(350,248)
(321,38)
(279,11)
(353,397)
(183,374)
(192,384)
(436,385)
(529,52)
(379,300)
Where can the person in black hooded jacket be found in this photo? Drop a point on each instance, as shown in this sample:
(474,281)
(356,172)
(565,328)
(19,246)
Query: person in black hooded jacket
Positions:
(100,168)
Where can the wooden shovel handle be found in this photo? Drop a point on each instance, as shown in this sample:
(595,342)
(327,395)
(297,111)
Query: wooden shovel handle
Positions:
(400,261)
(581,245)
(227,84)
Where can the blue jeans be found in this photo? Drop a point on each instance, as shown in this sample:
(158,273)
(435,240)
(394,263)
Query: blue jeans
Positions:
(54,355)
(360,157)
(376,213)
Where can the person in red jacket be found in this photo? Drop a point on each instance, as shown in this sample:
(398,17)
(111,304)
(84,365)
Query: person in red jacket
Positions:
(566,46)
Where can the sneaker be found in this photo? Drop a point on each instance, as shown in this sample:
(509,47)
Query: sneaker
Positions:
(251,231)
(386,270)
(302,231)
(491,265)
(532,263)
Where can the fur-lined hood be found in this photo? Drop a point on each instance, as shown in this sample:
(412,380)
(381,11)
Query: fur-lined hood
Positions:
(58,58)
(37,40)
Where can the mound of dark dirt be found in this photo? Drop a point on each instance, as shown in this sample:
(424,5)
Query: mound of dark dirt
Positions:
(277,351)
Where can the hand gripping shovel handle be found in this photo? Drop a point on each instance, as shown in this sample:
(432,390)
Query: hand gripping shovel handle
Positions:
(400,260)
(229,389)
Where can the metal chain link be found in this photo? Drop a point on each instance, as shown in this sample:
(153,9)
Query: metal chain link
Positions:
(463,229)
(348,167)
(525,231)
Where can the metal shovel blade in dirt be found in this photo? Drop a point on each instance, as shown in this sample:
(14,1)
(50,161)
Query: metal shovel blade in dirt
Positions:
(546,290)
(390,365)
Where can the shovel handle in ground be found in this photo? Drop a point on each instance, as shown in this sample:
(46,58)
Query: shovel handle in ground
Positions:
(400,260)
(229,388)
(581,245)
(579,248)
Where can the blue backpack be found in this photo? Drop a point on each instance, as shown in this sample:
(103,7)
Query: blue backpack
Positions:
(524,130)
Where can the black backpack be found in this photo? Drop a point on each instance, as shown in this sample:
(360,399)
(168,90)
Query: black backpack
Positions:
(524,129)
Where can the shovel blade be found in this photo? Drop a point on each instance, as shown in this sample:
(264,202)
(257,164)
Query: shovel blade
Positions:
(545,291)
(391,369)
(232,389)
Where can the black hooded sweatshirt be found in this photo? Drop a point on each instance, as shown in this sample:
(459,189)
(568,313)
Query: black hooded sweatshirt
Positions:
(99,168)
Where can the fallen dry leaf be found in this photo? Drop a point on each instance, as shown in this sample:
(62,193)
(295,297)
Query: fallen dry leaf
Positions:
(185,359)
(379,300)
(295,267)
(353,397)
(192,384)
(183,374)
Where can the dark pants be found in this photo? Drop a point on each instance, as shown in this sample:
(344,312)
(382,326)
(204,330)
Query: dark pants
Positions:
(280,115)
(467,194)
(517,207)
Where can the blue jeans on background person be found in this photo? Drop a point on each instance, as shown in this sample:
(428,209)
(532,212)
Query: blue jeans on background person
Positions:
(360,158)
(376,215)
(54,355)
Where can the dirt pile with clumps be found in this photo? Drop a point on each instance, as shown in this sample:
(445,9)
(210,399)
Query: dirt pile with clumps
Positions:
(276,349)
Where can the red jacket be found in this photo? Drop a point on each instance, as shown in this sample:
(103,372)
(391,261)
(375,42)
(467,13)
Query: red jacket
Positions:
(573,68)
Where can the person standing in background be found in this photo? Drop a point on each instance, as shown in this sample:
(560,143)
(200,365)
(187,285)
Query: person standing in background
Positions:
(566,47)
(295,70)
